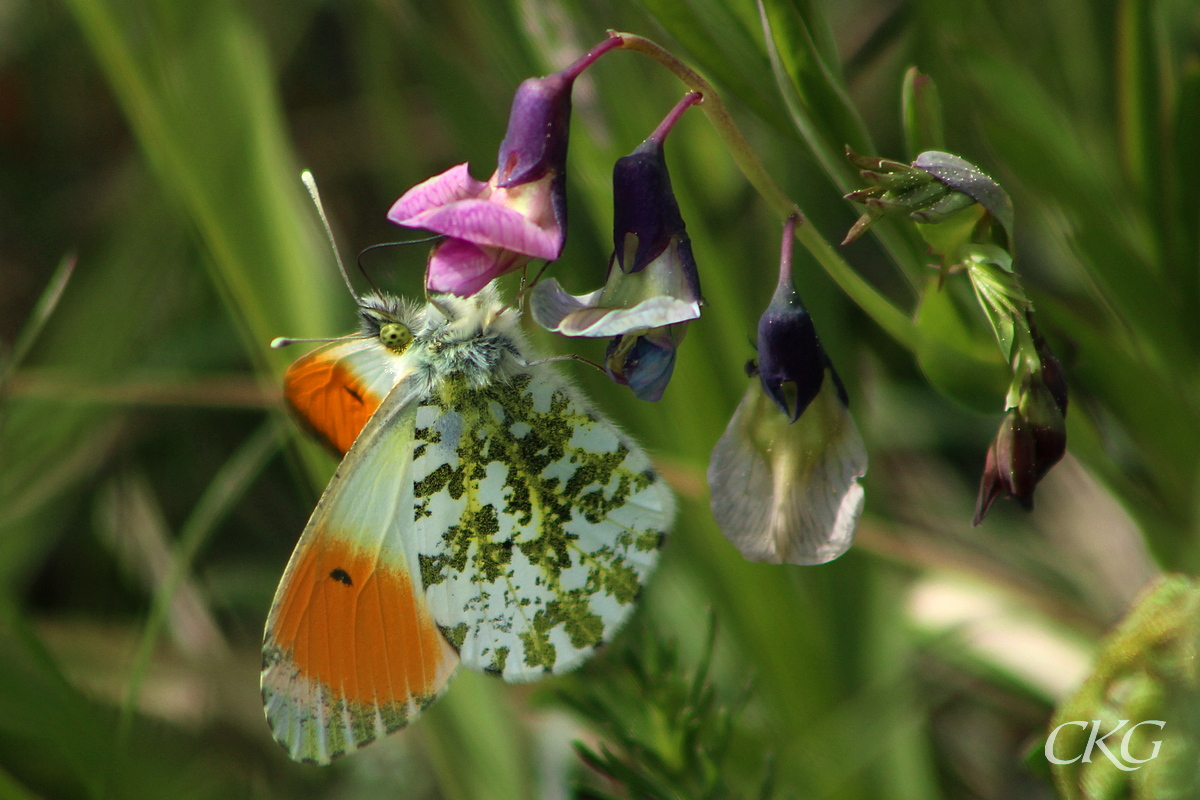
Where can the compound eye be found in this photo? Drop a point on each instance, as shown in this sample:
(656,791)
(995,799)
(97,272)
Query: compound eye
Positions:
(395,337)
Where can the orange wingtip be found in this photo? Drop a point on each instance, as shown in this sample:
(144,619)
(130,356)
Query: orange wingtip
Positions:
(351,652)
(329,398)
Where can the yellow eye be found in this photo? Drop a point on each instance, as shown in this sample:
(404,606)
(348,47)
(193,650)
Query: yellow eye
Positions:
(395,336)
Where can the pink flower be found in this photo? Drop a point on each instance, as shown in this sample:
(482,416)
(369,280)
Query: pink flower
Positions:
(490,230)
(520,213)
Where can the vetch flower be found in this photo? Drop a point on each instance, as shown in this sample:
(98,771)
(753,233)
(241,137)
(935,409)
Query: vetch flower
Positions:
(652,289)
(783,478)
(520,213)
(1033,436)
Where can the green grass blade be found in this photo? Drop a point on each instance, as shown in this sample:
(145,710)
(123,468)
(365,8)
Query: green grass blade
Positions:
(226,488)
(42,310)
(826,120)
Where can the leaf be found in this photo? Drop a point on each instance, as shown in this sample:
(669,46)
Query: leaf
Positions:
(42,310)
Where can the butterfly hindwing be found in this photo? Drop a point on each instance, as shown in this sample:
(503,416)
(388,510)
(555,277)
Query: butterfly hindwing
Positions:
(351,651)
(535,522)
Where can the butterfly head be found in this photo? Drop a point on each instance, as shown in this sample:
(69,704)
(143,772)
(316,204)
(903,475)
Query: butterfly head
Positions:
(394,321)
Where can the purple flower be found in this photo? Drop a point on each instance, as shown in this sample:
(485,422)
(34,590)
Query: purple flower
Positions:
(652,288)
(784,486)
(520,213)
(644,362)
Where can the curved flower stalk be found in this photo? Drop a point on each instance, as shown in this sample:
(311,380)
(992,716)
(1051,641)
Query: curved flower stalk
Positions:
(520,213)
(783,478)
(652,289)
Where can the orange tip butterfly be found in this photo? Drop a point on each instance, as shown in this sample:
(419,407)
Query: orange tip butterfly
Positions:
(483,513)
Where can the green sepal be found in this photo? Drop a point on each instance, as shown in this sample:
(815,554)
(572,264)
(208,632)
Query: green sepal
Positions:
(947,237)
(1000,294)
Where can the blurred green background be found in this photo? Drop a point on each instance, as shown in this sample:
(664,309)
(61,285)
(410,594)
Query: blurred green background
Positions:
(151,487)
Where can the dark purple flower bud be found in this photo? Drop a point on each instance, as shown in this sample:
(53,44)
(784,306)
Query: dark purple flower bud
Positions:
(784,487)
(539,122)
(652,289)
(789,351)
(646,218)
(1032,439)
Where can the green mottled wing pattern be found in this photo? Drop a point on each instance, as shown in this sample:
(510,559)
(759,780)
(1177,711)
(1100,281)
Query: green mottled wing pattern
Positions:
(536,522)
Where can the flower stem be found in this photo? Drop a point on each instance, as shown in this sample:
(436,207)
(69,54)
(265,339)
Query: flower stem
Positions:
(785,250)
(660,133)
(897,323)
(720,118)
(587,59)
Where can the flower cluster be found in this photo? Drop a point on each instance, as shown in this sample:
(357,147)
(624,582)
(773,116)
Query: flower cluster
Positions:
(520,214)
(784,476)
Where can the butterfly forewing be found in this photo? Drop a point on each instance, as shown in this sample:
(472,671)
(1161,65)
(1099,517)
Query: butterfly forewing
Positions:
(335,389)
(351,650)
(535,522)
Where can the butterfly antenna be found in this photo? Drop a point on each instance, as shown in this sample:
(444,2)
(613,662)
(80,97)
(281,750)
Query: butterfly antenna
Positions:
(311,184)
(564,357)
(282,341)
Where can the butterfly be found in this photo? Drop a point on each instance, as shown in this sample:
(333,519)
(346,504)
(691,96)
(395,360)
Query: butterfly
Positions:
(483,513)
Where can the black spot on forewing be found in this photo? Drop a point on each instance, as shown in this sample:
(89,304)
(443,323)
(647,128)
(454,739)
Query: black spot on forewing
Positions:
(341,576)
